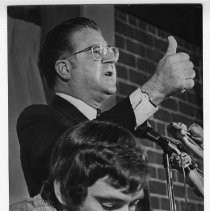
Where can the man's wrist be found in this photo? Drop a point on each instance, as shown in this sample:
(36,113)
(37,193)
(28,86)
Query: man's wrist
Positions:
(154,95)
(141,105)
(138,95)
(148,97)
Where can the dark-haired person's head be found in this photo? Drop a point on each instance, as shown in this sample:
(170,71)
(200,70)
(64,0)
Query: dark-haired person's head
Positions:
(59,43)
(96,166)
(75,59)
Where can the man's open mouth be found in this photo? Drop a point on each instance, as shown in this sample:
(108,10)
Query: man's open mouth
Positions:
(109,73)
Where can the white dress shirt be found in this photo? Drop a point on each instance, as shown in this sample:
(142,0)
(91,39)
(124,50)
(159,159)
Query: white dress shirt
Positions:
(143,109)
(83,107)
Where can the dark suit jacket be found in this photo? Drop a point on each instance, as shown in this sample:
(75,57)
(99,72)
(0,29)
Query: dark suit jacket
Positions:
(39,127)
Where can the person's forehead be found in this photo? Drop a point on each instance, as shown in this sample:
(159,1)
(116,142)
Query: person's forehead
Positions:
(87,37)
(101,189)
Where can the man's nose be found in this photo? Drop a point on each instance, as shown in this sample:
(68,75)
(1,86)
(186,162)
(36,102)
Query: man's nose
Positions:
(110,57)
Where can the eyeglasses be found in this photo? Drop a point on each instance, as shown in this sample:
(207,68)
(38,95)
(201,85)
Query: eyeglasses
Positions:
(100,51)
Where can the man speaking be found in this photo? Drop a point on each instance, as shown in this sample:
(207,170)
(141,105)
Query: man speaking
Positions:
(79,67)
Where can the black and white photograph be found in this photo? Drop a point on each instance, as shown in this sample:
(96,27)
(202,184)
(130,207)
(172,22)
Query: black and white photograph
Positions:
(105,107)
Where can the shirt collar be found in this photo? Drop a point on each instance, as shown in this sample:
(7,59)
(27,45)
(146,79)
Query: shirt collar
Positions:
(83,107)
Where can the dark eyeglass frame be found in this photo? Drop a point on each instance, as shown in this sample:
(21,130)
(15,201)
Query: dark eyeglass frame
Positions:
(115,50)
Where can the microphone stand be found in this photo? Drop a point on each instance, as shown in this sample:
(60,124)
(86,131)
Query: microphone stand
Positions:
(168,148)
(169,178)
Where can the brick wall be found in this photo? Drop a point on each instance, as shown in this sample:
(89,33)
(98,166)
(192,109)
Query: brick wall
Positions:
(141,47)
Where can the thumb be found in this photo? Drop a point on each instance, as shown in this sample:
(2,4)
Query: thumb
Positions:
(172,45)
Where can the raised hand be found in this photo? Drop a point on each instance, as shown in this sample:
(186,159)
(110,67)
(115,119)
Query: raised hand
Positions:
(174,74)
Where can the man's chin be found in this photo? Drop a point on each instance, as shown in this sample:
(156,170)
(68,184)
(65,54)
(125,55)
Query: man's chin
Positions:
(110,91)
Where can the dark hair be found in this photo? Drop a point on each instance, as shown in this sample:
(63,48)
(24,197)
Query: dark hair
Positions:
(58,45)
(90,151)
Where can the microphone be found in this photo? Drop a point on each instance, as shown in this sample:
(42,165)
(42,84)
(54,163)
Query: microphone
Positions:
(196,133)
(167,145)
(188,139)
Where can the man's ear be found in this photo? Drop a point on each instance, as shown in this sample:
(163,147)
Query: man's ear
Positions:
(57,191)
(63,68)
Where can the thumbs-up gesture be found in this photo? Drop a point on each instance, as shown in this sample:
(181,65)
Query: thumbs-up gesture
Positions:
(174,74)
(172,46)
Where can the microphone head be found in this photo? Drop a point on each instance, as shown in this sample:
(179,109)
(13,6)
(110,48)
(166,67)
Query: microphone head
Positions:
(175,130)
(196,132)
(179,130)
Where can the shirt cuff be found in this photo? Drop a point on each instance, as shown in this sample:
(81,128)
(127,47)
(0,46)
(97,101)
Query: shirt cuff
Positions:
(142,107)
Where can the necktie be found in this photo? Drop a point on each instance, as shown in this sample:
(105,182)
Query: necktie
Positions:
(98,112)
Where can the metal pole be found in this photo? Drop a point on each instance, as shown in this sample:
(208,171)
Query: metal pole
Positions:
(169,183)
